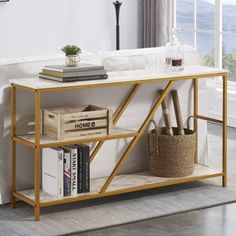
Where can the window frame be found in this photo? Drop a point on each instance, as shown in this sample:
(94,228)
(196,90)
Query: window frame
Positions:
(217,32)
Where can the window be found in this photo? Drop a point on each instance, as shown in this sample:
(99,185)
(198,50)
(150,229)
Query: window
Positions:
(229,37)
(210,26)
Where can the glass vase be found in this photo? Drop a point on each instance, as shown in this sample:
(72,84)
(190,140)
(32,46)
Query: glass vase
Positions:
(174,54)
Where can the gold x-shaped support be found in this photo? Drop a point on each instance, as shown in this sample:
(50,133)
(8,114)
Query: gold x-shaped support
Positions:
(116,118)
(136,138)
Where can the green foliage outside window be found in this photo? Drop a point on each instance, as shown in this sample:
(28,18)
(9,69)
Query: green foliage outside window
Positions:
(229,61)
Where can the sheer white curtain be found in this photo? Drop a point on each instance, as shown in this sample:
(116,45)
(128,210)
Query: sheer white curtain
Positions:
(157,20)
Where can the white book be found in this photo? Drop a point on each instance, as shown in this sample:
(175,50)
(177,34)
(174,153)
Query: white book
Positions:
(80,67)
(74,166)
(52,171)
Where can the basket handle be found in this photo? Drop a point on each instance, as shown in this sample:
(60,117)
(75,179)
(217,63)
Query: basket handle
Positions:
(155,125)
(188,121)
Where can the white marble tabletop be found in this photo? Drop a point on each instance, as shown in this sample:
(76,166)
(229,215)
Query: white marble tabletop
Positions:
(120,77)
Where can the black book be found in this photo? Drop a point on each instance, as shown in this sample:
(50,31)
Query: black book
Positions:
(86,168)
(80,170)
(73,79)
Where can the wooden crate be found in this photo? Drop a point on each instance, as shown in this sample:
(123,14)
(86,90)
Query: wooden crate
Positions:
(81,122)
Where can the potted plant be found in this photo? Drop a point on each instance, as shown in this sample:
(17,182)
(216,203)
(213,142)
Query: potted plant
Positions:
(72,55)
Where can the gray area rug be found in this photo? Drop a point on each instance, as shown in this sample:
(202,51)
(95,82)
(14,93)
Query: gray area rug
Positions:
(111,211)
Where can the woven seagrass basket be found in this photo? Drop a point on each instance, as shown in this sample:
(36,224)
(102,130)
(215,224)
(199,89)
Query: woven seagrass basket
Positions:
(171,156)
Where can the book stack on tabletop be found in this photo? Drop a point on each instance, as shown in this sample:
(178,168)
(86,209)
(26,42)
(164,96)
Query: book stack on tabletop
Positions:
(65,170)
(82,72)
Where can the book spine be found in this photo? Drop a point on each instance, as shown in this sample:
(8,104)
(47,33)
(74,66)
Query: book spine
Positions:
(53,78)
(74,69)
(50,175)
(73,74)
(92,77)
(60,182)
(72,79)
(84,170)
(74,171)
(87,170)
(67,175)
(80,170)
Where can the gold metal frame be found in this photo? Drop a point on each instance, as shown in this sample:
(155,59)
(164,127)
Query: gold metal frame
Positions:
(135,140)
(121,110)
(13,145)
(36,203)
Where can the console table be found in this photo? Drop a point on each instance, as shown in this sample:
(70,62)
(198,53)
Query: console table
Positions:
(114,184)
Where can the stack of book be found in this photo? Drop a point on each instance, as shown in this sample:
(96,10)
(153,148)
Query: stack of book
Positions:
(65,170)
(69,74)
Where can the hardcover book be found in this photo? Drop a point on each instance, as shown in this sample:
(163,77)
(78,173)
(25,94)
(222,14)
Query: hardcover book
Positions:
(80,67)
(80,170)
(73,79)
(52,171)
(72,149)
(67,173)
(73,74)
(86,167)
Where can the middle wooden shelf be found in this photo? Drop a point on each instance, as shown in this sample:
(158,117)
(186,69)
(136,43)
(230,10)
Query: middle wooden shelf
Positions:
(46,141)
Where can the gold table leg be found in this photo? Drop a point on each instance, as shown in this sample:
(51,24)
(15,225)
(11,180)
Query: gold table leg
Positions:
(37,167)
(13,145)
(135,140)
(224,138)
(195,112)
(121,110)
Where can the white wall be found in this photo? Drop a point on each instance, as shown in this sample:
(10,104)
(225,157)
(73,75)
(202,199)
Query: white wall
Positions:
(41,27)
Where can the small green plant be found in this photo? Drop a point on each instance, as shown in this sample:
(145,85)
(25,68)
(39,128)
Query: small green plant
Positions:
(71,50)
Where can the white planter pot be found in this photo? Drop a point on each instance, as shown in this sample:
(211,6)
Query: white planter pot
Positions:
(72,60)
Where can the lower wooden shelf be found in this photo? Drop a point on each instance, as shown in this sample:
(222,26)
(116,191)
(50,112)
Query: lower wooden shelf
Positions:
(121,184)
